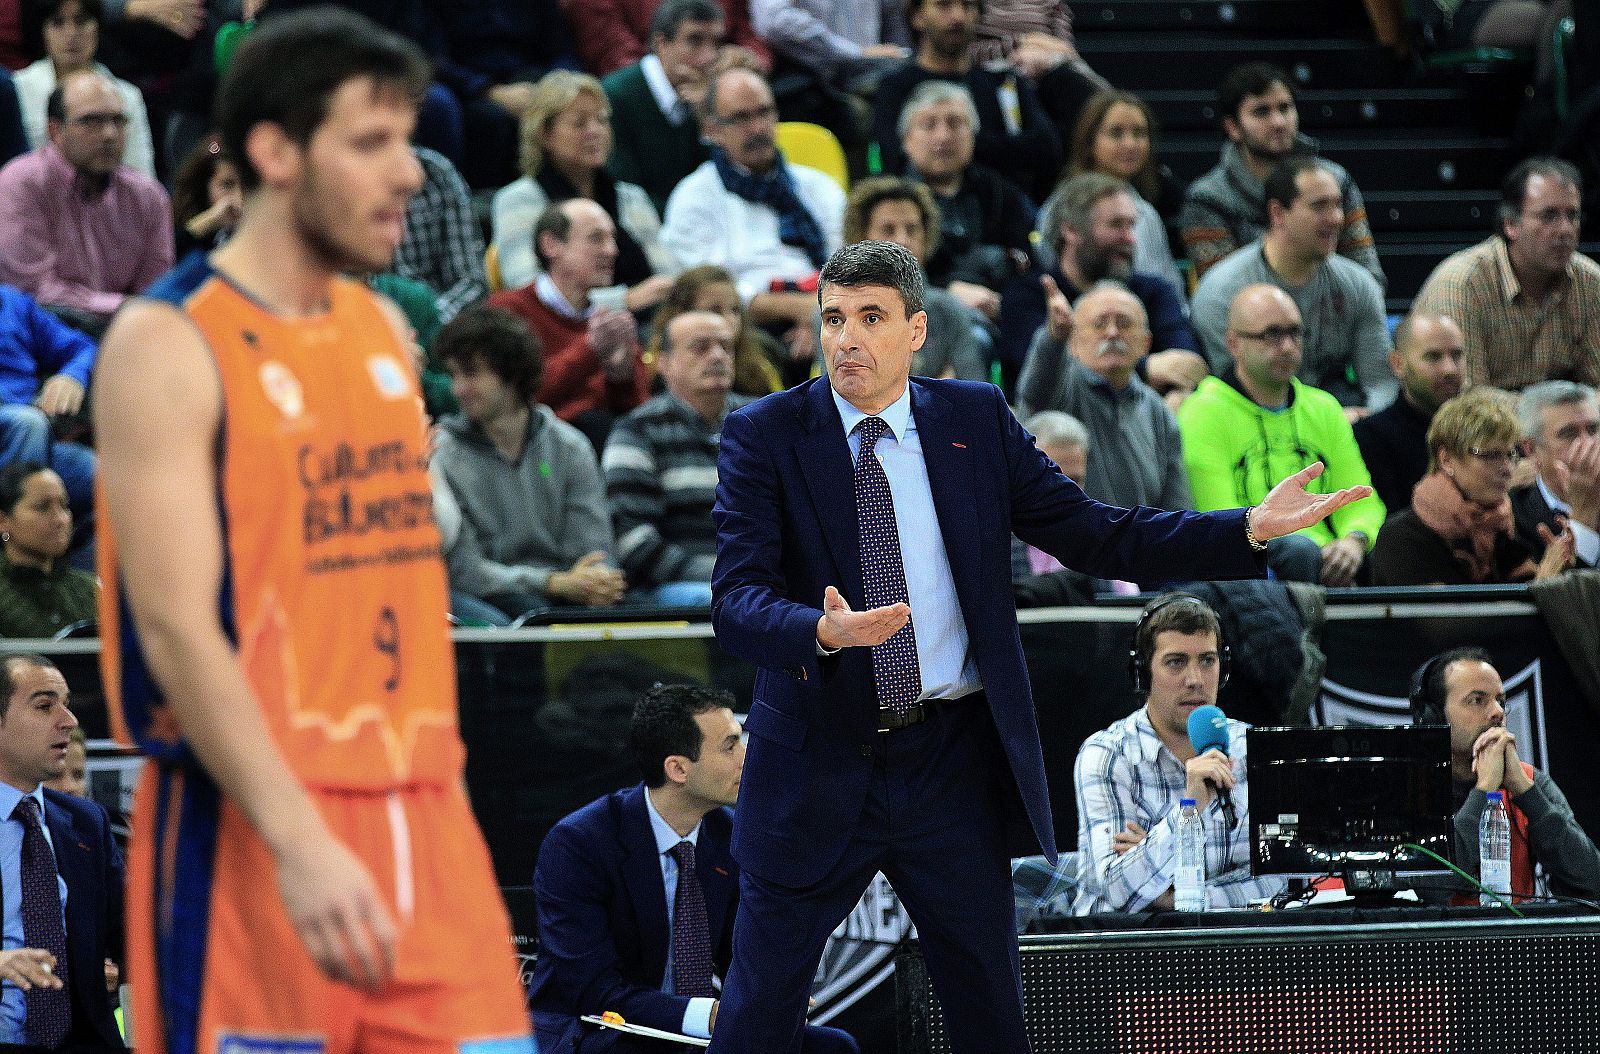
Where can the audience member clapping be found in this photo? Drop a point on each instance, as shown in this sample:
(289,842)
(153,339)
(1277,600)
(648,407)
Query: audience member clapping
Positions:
(1035,36)
(40,594)
(1560,422)
(1460,529)
(593,371)
(566,139)
(64,37)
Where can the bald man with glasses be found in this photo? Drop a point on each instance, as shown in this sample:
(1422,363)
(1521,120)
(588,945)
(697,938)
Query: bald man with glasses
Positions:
(1241,427)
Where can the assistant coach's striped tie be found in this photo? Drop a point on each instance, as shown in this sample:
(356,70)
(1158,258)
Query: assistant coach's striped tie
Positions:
(883,575)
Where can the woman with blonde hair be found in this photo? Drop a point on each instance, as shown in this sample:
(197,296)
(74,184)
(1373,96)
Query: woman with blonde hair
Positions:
(566,140)
(710,288)
(1459,529)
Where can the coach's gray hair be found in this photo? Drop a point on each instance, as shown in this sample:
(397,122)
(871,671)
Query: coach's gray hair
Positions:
(876,263)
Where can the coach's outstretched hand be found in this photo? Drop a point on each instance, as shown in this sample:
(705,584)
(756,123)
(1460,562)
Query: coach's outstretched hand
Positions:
(842,627)
(1290,508)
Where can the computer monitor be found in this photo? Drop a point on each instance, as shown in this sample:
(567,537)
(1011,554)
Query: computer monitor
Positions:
(1346,799)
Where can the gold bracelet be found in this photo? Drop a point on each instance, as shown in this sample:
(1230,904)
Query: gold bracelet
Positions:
(1256,544)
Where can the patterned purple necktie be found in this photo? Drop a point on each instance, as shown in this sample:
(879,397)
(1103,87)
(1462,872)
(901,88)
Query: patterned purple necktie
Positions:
(691,934)
(883,576)
(49,1010)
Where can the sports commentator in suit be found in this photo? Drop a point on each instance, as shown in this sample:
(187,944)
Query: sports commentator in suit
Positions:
(619,928)
(55,954)
(863,535)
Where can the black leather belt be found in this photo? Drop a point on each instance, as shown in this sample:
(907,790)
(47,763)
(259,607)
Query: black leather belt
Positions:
(889,720)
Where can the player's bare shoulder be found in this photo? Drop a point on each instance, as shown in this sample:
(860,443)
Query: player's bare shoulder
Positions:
(153,368)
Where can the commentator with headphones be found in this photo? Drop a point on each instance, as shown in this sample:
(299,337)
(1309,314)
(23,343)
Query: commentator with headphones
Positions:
(1462,689)
(1130,777)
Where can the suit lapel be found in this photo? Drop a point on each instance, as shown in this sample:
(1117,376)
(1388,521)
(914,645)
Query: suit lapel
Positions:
(824,462)
(641,874)
(947,451)
(64,839)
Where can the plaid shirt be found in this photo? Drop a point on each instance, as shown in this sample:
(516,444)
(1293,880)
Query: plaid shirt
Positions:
(1126,773)
(1512,340)
(442,246)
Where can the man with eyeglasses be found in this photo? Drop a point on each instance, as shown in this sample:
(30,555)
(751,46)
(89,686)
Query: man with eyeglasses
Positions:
(1340,304)
(1560,422)
(1527,300)
(1240,428)
(84,231)
(771,224)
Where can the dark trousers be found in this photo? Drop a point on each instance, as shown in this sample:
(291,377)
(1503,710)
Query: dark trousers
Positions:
(934,824)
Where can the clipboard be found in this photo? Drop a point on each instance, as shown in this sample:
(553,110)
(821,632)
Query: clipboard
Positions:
(645,1030)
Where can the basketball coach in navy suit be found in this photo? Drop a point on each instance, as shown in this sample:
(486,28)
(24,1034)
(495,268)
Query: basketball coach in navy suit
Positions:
(863,563)
(620,926)
(63,857)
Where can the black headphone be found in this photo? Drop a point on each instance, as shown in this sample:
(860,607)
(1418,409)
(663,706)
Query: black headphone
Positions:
(1426,707)
(1142,653)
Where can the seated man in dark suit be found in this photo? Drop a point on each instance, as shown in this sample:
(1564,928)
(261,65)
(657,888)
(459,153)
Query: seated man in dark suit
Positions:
(1561,422)
(55,996)
(619,928)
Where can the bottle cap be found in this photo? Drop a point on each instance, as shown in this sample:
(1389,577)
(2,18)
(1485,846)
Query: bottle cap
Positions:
(1184,803)
(1496,796)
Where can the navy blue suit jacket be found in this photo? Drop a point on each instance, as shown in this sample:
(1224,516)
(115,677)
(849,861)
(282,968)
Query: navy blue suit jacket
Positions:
(786,530)
(603,934)
(88,859)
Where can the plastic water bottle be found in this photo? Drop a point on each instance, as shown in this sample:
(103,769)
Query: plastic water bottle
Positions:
(1494,849)
(1189,882)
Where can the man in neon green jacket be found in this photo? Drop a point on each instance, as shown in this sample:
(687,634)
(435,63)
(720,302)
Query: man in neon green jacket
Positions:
(1256,423)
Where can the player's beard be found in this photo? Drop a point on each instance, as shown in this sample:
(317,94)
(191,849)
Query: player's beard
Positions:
(318,217)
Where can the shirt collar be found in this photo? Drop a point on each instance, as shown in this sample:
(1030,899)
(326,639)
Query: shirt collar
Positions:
(1509,286)
(1555,503)
(1144,733)
(10,796)
(897,415)
(668,100)
(545,288)
(666,837)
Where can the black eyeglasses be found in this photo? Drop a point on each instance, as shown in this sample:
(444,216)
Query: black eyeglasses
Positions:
(1276,334)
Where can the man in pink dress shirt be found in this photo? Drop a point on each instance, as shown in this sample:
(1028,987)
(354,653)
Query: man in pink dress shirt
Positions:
(84,231)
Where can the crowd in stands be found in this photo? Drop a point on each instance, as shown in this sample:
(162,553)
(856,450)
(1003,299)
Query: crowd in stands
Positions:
(614,247)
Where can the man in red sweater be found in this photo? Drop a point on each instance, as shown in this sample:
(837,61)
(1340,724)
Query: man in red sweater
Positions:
(593,373)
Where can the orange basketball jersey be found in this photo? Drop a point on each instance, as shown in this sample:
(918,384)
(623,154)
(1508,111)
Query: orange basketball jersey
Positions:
(332,587)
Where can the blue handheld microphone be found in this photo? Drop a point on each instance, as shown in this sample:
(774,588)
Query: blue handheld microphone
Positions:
(1208,730)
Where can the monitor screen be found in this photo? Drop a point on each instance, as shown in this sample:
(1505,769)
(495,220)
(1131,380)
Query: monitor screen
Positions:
(1349,797)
